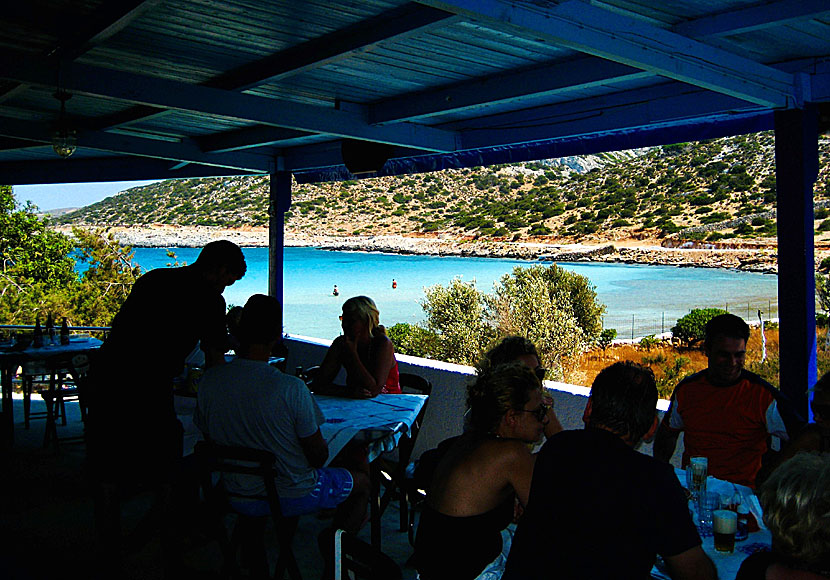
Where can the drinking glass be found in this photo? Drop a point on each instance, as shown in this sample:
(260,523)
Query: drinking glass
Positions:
(696,474)
(708,504)
(724,526)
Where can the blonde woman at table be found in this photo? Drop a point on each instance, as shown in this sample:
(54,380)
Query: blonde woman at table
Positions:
(472,495)
(796,502)
(364,351)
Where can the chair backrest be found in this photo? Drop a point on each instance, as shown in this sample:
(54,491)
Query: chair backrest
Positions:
(310,374)
(363,560)
(412,384)
(214,458)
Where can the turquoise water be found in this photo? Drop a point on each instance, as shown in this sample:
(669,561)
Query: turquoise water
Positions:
(654,295)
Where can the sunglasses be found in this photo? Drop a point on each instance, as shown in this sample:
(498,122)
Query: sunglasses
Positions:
(539,412)
(540,373)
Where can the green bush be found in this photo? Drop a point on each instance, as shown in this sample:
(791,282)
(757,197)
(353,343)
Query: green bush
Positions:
(413,340)
(606,337)
(648,342)
(691,327)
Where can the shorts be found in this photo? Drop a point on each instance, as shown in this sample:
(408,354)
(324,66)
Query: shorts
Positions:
(334,484)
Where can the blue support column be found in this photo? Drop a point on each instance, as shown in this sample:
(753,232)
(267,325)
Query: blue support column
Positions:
(796,169)
(279,202)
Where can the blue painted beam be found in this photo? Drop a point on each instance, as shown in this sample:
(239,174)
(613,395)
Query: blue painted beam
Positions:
(796,169)
(515,87)
(279,202)
(183,151)
(662,104)
(247,138)
(610,35)
(692,130)
(153,91)
(75,170)
(754,17)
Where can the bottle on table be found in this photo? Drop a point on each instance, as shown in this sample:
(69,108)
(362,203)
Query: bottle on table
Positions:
(37,340)
(64,332)
(50,330)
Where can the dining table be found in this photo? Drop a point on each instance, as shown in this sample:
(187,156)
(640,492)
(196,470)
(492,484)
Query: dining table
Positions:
(379,423)
(12,357)
(727,564)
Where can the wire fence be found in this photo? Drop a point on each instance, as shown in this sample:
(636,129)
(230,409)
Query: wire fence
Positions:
(634,326)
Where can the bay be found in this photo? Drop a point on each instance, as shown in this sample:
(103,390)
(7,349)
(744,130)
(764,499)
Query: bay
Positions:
(640,299)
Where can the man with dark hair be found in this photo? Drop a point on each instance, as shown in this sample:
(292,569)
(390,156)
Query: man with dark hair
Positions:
(597,507)
(727,413)
(248,403)
(133,435)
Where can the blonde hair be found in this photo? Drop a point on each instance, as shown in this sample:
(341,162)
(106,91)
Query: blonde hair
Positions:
(796,502)
(365,308)
(496,391)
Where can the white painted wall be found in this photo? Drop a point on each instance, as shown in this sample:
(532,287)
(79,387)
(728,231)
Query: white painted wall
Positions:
(445,413)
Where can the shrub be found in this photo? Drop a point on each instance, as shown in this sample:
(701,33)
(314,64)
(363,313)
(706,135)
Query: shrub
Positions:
(413,340)
(606,337)
(648,342)
(691,327)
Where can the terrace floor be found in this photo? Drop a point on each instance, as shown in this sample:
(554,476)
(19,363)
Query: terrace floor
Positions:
(46,518)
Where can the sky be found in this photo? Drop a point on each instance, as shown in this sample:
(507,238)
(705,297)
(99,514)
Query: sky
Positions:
(56,196)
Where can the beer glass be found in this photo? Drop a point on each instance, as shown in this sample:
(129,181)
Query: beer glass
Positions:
(696,474)
(724,525)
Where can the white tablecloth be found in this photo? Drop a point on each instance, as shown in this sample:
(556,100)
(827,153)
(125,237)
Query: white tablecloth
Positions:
(379,421)
(727,564)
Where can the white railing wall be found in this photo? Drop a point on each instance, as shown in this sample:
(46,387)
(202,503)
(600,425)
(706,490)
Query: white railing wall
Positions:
(445,413)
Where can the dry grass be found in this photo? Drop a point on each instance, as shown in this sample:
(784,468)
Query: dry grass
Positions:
(662,359)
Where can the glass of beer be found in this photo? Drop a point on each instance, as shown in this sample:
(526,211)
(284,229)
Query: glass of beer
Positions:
(724,525)
(696,474)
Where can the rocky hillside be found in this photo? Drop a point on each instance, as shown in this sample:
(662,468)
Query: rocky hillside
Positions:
(711,190)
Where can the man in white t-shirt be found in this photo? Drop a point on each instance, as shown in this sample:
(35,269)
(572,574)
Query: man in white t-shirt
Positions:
(248,403)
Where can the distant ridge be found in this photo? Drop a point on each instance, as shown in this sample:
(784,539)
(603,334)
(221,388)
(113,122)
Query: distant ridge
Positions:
(635,195)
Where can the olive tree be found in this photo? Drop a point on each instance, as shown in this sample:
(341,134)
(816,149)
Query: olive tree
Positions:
(554,308)
(456,315)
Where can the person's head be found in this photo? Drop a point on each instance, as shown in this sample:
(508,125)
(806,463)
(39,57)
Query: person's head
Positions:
(221,263)
(507,399)
(512,349)
(360,314)
(820,403)
(260,322)
(623,400)
(796,502)
(725,347)
(232,319)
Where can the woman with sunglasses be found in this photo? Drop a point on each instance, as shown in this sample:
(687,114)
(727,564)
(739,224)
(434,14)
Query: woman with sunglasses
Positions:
(363,350)
(476,483)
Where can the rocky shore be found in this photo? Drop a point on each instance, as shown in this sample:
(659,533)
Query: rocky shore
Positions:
(622,251)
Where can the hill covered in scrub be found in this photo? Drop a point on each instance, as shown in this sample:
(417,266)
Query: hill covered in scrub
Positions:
(723,188)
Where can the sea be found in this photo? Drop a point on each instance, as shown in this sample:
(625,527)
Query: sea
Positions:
(640,300)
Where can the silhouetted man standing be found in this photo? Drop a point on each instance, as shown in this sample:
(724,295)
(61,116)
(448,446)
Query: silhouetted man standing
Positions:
(133,435)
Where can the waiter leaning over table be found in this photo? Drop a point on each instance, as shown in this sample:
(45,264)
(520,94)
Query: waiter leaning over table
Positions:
(133,436)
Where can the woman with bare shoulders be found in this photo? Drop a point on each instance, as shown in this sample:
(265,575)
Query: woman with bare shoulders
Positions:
(364,351)
(476,483)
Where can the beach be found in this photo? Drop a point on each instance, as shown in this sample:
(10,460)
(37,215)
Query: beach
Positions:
(748,258)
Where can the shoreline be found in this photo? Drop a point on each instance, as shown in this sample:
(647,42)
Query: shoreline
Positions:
(759,260)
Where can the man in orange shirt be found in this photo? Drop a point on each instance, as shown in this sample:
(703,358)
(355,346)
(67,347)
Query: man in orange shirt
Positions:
(727,413)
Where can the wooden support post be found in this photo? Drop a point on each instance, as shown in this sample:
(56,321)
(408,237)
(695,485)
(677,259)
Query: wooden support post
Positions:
(796,169)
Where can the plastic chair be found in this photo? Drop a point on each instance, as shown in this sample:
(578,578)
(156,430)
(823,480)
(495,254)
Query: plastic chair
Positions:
(398,483)
(354,558)
(249,530)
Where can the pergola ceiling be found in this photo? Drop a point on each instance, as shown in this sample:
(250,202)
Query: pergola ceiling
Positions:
(189,88)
